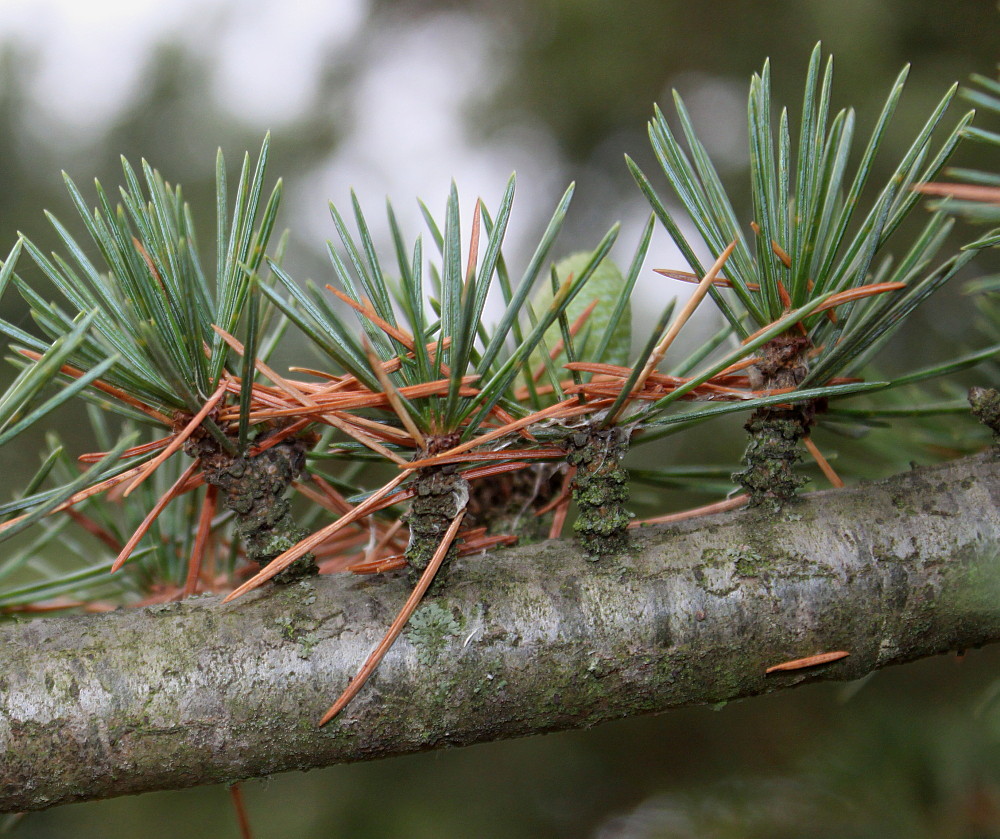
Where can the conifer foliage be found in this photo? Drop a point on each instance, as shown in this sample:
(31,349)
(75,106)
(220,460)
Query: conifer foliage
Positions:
(428,431)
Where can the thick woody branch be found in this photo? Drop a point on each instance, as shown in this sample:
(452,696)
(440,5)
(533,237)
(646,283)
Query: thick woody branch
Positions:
(517,642)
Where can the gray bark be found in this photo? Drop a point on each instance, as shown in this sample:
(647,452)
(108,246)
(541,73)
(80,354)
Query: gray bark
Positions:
(517,642)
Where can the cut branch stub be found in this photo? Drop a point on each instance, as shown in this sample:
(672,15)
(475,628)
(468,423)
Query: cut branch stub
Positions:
(776,432)
(600,489)
(254,488)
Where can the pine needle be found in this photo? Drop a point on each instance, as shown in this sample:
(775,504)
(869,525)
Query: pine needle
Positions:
(236,795)
(200,541)
(677,325)
(691,277)
(135,451)
(563,494)
(694,512)
(470,269)
(82,495)
(964,192)
(567,407)
(859,293)
(118,394)
(426,578)
(823,463)
(504,454)
(559,519)
(393,395)
(576,326)
(280,563)
(179,439)
(181,485)
(368,312)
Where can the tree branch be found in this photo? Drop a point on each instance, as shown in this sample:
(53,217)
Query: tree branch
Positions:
(517,642)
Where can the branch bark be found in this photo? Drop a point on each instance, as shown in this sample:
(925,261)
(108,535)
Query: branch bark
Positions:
(518,642)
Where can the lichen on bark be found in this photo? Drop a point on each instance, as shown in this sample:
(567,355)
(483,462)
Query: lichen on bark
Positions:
(985,404)
(441,493)
(254,487)
(600,489)
(772,452)
(775,433)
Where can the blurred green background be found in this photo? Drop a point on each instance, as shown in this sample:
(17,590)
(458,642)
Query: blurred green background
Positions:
(397,98)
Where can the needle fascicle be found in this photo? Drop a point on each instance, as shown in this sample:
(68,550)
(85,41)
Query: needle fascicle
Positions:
(329,416)
(179,440)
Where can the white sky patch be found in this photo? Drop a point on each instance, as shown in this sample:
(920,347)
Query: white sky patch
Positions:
(270,54)
(407,115)
(408,134)
(91,55)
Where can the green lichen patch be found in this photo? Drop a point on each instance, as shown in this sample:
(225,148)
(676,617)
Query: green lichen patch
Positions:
(600,489)
(307,593)
(441,494)
(292,629)
(489,682)
(722,570)
(772,452)
(749,563)
(714,576)
(431,629)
